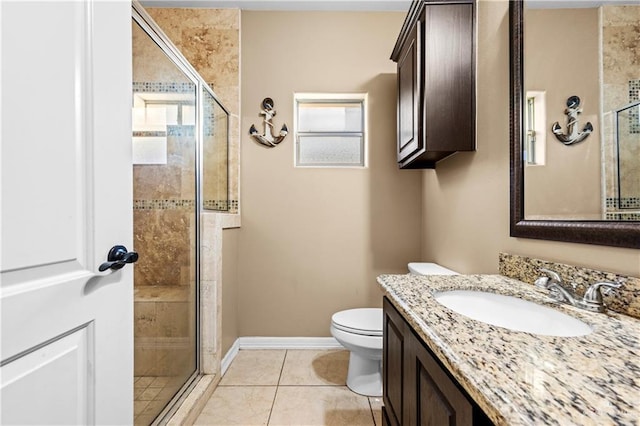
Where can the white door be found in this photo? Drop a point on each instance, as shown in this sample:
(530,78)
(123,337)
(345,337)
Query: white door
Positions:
(67,329)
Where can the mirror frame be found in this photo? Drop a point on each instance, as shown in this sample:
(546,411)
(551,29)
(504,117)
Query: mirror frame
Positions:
(600,232)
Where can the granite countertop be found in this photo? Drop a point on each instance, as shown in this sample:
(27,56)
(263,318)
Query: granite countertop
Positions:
(520,378)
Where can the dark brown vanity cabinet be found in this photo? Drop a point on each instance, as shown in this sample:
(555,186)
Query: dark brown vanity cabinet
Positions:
(394,348)
(417,390)
(436,82)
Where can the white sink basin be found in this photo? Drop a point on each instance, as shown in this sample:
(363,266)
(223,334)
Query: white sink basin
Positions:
(512,313)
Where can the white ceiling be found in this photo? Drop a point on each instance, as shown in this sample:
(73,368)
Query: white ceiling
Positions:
(576,4)
(324,5)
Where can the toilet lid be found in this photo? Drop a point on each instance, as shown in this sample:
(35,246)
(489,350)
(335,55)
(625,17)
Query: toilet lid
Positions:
(423,268)
(365,321)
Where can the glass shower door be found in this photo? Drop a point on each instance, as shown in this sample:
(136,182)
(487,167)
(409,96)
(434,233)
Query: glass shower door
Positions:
(215,155)
(165,228)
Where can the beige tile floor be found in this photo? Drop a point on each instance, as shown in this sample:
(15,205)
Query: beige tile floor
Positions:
(289,387)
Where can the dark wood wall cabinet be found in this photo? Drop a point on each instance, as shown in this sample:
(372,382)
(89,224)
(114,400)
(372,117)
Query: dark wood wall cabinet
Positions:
(435,53)
(417,389)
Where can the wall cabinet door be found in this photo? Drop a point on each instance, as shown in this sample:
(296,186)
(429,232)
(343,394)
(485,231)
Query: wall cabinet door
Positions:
(436,83)
(410,140)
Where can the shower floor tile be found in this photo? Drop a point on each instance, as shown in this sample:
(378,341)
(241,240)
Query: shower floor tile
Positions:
(150,394)
(309,389)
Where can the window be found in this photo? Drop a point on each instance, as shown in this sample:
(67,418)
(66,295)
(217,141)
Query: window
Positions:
(535,136)
(330,130)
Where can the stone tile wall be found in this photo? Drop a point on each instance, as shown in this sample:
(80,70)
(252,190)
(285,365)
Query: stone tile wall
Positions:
(210,40)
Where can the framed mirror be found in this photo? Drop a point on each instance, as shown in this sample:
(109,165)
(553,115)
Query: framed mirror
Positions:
(565,189)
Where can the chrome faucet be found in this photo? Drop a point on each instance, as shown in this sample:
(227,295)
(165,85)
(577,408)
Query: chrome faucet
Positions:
(592,300)
(557,290)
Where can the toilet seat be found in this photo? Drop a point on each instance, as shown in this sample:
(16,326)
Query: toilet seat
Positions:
(363,321)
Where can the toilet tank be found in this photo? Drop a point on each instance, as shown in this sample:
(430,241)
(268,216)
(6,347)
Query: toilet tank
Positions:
(423,268)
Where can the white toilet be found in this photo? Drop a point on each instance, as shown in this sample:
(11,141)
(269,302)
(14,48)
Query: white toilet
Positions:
(360,331)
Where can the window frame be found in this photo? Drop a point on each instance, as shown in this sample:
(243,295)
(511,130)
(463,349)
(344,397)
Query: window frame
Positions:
(535,132)
(334,98)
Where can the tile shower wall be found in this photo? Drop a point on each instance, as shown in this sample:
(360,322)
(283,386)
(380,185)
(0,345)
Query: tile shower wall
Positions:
(210,40)
(164,204)
(621,77)
(163,330)
(164,232)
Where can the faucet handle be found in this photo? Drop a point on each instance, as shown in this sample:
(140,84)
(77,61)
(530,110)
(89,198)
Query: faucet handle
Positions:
(542,282)
(554,276)
(594,294)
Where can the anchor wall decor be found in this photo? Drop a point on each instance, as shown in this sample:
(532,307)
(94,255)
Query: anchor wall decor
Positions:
(268,139)
(573,136)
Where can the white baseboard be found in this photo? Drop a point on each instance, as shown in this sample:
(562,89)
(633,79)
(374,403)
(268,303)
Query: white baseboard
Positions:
(229,356)
(289,343)
(277,343)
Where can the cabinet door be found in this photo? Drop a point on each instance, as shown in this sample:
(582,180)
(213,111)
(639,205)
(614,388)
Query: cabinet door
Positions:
(393,356)
(409,117)
(449,78)
(435,398)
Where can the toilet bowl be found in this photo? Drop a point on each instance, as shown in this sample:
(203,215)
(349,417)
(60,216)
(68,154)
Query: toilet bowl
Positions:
(360,331)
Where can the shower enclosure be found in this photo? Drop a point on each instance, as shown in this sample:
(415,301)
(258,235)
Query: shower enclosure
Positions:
(180,165)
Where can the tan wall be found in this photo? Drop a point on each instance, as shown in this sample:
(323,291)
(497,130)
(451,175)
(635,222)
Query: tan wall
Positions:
(313,240)
(563,61)
(229,288)
(466,202)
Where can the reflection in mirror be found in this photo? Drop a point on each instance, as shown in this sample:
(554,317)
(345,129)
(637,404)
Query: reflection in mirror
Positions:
(565,189)
(623,197)
(569,48)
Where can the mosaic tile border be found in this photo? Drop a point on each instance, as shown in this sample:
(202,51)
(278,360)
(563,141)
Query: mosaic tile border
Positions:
(148,134)
(163,87)
(221,205)
(172,130)
(163,204)
(623,203)
(183,204)
(634,115)
(623,216)
(625,301)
